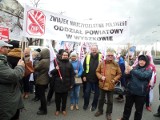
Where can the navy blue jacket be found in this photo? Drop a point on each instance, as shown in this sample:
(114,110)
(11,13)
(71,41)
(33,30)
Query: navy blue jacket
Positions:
(138,81)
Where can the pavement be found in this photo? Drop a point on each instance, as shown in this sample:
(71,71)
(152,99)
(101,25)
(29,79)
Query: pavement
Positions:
(31,108)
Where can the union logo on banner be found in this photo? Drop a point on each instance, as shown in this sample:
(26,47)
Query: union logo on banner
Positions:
(35,22)
(4,34)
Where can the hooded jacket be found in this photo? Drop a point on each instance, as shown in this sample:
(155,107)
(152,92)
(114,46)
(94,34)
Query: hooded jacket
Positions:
(42,67)
(139,78)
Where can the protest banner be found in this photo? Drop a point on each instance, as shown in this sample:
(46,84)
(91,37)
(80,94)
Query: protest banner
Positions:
(4,34)
(47,25)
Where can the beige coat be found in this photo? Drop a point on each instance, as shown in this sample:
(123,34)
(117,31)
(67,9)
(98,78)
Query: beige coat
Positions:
(111,71)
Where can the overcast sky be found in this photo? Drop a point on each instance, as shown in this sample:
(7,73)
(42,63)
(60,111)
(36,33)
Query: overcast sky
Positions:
(144,14)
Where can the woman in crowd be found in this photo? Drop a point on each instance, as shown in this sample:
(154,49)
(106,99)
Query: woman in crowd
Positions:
(42,67)
(64,80)
(78,69)
(137,88)
(26,86)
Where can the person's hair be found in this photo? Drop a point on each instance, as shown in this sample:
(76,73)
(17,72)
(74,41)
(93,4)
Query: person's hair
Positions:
(38,50)
(64,52)
(14,43)
(60,51)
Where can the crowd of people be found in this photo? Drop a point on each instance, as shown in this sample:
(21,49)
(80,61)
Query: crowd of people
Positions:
(95,74)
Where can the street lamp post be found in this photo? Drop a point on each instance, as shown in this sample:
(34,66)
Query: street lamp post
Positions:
(156,48)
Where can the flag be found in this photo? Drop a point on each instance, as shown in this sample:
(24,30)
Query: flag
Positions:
(31,78)
(132,51)
(52,56)
(80,51)
(153,68)
(136,61)
(148,53)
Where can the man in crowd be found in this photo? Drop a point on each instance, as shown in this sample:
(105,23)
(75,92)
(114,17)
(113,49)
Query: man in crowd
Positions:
(10,94)
(108,73)
(89,76)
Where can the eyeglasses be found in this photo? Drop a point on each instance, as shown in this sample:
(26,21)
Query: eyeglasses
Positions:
(110,55)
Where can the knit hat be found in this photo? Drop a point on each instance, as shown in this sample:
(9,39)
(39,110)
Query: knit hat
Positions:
(73,54)
(143,57)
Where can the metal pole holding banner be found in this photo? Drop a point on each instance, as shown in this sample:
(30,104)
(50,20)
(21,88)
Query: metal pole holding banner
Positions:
(22,47)
(53,57)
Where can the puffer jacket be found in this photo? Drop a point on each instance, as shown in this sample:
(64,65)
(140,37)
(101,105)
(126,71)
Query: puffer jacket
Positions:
(111,71)
(42,67)
(138,81)
(66,69)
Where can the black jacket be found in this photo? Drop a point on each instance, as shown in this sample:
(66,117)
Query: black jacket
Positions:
(66,69)
(93,64)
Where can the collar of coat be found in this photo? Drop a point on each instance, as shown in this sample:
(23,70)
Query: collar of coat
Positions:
(3,58)
(110,61)
(16,52)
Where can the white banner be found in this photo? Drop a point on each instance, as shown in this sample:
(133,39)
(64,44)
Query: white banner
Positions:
(42,24)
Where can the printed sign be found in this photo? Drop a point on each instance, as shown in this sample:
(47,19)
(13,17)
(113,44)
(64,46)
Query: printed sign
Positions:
(35,22)
(4,34)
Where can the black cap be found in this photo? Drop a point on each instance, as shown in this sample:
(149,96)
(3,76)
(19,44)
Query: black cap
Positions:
(143,57)
(14,43)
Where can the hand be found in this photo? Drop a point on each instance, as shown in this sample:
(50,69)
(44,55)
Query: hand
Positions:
(113,81)
(57,67)
(128,69)
(76,71)
(84,79)
(103,78)
(76,75)
(21,62)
